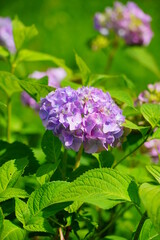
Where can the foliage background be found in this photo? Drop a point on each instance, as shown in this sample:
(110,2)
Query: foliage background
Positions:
(65,26)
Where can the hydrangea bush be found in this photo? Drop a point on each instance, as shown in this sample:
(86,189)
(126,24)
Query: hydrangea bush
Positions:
(127,21)
(87,166)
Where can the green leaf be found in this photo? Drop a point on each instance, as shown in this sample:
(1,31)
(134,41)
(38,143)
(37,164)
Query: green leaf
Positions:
(151,112)
(9,83)
(156,134)
(22,33)
(3,106)
(111,80)
(150,197)
(10,172)
(11,231)
(142,56)
(1,221)
(121,96)
(114,237)
(42,197)
(51,146)
(35,89)
(155,171)
(131,125)
(66,83)
(17,150)
(101,187)
(45,172)
(3,52)
(22,211)
(13,193)
(146,230)
(26,55)
(39,224)
(85,71)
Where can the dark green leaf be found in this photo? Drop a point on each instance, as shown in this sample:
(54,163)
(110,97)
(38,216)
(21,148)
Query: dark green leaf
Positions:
(11,231)
(51,146)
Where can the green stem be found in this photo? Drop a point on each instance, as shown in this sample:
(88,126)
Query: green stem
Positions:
(78,158)
(112,55)
(132,151)
(8,119)
(140,225)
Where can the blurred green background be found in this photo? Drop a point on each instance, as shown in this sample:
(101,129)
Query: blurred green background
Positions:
(65,26)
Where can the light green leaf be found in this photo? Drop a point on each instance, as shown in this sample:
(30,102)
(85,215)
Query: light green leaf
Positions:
(9,83)
(10,172)
(150,197)
(114,237)
(3,106)
(155,171)
(121,96)
(151,112)
(35,89)
(11,231)
(22,211)
(42,197)
(39,224)
(3,52)
(66,83)
(45,172)
(142,56)
(85,71)
(101,79)
(146,230)
(51,146)
(1,221)
(156,134)
(101,187)
(131,125)
(22,33)
(26,55)
(13,193)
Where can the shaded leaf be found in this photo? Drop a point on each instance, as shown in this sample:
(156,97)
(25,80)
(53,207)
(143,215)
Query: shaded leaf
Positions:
(22,211)
(39,224)
(131,125)
(13,193)
(51,146)
(3,52)
(121,96)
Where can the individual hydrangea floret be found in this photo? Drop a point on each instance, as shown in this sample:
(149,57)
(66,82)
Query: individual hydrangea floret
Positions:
(127,21)
(55,76)
(85,116)
(151,95)
(153,147)
(6,34)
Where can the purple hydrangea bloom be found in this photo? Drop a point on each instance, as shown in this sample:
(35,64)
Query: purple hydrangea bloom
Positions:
(6,34)
(127,21)
(85,116)
(153,147)
(55,76)
(151,95)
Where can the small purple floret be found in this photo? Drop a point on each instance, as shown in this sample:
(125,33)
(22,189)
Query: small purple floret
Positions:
(55,76)
(85,116)
(6,34)
(127,21)
(153,147)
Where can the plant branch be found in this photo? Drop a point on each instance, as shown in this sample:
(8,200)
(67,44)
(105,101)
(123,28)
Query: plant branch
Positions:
(78,157)
(8,119)
(140,225)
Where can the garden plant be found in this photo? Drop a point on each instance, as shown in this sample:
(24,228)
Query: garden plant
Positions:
(80,147)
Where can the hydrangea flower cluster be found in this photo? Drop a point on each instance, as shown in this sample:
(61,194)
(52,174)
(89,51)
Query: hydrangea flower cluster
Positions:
(6,34)
(55,76)
(151,95)
(85,116)
(153,147)
(127,21)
